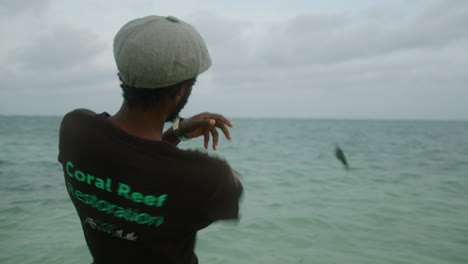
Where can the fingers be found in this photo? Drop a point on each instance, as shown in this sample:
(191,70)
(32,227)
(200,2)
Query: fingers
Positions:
(221,118)
(217,117)
(206,135)
(215,121)
(214,134)
(221,123)
(225,130)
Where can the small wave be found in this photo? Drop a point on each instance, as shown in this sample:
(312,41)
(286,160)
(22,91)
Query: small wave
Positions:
(12,210)
(4,163)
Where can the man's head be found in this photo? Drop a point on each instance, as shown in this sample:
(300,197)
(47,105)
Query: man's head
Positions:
(149,98)
(156,57)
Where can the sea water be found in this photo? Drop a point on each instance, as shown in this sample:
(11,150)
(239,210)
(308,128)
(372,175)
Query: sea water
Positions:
(404,199)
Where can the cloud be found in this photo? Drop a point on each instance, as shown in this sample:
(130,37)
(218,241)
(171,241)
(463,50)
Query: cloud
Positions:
(386,61)
(409,63)
(319,46)
(15,7)
(320,39)
(225,37)
(55,67)
(63,47)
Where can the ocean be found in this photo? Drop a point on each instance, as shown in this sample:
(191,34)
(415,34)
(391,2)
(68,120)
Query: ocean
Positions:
(404,199)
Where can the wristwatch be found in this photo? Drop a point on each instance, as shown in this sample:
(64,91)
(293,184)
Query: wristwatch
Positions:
(176,129)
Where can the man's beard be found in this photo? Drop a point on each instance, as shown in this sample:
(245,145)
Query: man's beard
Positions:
(179,107)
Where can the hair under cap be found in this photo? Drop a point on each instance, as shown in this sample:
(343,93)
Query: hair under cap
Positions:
(156,51)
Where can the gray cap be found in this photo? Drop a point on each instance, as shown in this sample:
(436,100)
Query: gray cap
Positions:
(155,52)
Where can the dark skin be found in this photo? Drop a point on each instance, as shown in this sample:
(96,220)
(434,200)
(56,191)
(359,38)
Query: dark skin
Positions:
(149,123)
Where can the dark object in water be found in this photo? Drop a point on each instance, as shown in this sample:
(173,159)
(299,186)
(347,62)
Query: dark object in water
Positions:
(340,155)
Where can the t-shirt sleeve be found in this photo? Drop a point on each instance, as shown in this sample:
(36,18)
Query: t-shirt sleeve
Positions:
(68,127)
(223,203)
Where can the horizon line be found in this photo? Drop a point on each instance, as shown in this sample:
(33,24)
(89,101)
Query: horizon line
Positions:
(295,118)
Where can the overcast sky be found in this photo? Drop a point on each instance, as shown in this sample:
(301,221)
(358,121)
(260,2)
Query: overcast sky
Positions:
(378,59)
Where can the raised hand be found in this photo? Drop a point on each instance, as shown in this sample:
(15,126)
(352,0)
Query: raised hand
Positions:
(206,124)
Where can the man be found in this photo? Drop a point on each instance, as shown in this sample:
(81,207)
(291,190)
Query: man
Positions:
(140,199)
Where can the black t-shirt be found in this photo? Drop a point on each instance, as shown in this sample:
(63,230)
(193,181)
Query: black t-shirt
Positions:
(141,201)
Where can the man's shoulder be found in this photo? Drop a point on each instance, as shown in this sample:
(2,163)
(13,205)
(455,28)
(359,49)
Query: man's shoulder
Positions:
(79,113)
(80,117)
(79,122)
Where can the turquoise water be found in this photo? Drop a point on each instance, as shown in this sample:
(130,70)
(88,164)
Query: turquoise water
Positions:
(404,200)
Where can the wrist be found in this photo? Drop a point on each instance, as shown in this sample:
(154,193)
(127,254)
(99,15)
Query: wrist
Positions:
(176,129)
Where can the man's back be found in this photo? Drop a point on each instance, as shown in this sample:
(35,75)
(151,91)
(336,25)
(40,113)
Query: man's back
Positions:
(140,199)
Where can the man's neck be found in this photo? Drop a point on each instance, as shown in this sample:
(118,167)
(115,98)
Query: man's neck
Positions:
(143,123)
